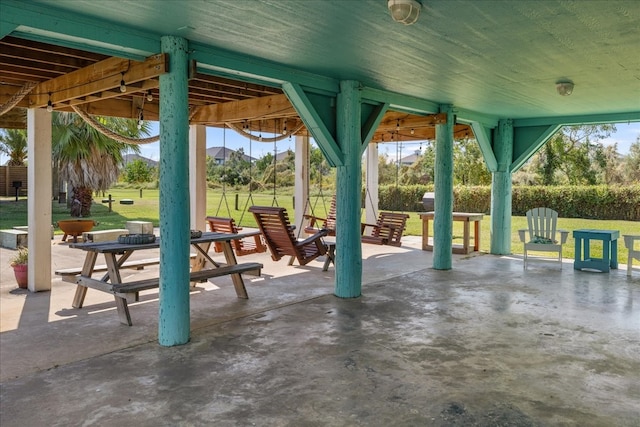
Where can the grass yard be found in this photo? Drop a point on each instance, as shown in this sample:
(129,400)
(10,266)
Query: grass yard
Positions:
(145,208)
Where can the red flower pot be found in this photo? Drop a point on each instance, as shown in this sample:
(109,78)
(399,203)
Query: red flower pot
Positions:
(21,271)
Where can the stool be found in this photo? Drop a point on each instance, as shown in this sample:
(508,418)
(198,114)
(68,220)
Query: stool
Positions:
(609,258)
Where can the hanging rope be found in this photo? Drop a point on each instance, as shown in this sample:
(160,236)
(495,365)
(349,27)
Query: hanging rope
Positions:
(224,173)
(274,201)
(17,97)
(252,137)
(250,198)
(111,134)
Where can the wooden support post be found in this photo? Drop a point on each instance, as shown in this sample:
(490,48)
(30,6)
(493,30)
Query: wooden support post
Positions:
(443,198)
(348,246)
(198,175)
(371,191)
(174,319)
(501,190)
(301,181)
(39,216)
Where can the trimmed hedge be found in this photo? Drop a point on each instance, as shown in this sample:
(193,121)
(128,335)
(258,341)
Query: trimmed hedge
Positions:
(591,202)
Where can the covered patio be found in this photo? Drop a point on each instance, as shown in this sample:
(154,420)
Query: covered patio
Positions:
(390,336)
(541,346)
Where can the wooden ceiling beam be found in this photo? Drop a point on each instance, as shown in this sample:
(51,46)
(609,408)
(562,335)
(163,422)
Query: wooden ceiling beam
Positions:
(248,109)
(100,77)
(392,120)
(419,134)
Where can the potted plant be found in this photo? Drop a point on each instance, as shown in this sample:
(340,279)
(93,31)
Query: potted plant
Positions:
(20,268)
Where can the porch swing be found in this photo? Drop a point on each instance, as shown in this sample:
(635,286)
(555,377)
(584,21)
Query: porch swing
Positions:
(317,223)
(390,226)
(244,246)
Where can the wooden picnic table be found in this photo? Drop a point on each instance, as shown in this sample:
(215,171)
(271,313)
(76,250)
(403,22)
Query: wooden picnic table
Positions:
(116,255)
(464,217)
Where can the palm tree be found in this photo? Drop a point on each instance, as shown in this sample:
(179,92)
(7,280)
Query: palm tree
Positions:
(13,142)
(88,160)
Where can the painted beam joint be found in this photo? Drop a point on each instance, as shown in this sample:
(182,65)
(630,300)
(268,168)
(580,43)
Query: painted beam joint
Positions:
(372,123)
(314,123)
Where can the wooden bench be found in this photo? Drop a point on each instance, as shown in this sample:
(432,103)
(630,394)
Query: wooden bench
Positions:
(196,276)
(25,228)
(137,264)
(124,292)
(13,239)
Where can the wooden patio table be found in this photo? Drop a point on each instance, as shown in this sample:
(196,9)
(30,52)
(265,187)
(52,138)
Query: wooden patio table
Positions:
(466,218)
(115,255)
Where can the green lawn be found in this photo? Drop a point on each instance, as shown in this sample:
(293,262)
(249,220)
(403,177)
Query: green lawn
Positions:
(145,208)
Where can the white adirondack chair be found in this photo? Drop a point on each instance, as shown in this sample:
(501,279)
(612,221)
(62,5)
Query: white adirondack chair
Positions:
(542,233)
(629,242)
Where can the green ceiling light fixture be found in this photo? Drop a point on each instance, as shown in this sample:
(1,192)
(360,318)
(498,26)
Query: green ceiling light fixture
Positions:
(404,11)
(564,87)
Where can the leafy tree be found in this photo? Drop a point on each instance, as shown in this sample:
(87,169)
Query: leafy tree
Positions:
(88,160)
(13,142)
(235,171)
(613,171)
(469,167)
(631,166)
(574,155)
(387,170)
(138,171)
(263,163)
(320,172)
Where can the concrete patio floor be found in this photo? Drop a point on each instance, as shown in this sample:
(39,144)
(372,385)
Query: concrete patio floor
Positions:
(484,344)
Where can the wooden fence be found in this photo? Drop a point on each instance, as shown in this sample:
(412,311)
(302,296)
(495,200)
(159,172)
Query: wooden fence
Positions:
(10,175)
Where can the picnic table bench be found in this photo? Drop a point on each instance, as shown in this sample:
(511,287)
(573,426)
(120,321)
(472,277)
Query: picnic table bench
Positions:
(116,256)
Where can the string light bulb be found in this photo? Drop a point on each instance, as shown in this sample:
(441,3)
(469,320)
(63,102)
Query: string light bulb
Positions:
(49,104)
(123,86)
(412,131)
(140,120)
(149,96)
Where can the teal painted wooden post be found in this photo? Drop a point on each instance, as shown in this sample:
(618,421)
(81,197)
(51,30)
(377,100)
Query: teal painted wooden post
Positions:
(348,246)
(501,190)
(443,200)
(173,318)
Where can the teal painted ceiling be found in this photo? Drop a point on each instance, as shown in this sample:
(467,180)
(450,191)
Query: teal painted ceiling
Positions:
(499,58)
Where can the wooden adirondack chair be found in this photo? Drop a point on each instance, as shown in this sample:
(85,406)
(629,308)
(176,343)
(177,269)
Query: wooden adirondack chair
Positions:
(246,246)
(317,223)
(278,234)
(387,230)
(542,233)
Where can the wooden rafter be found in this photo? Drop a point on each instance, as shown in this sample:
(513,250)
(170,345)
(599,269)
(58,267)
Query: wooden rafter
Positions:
(248,109)
(98,79)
